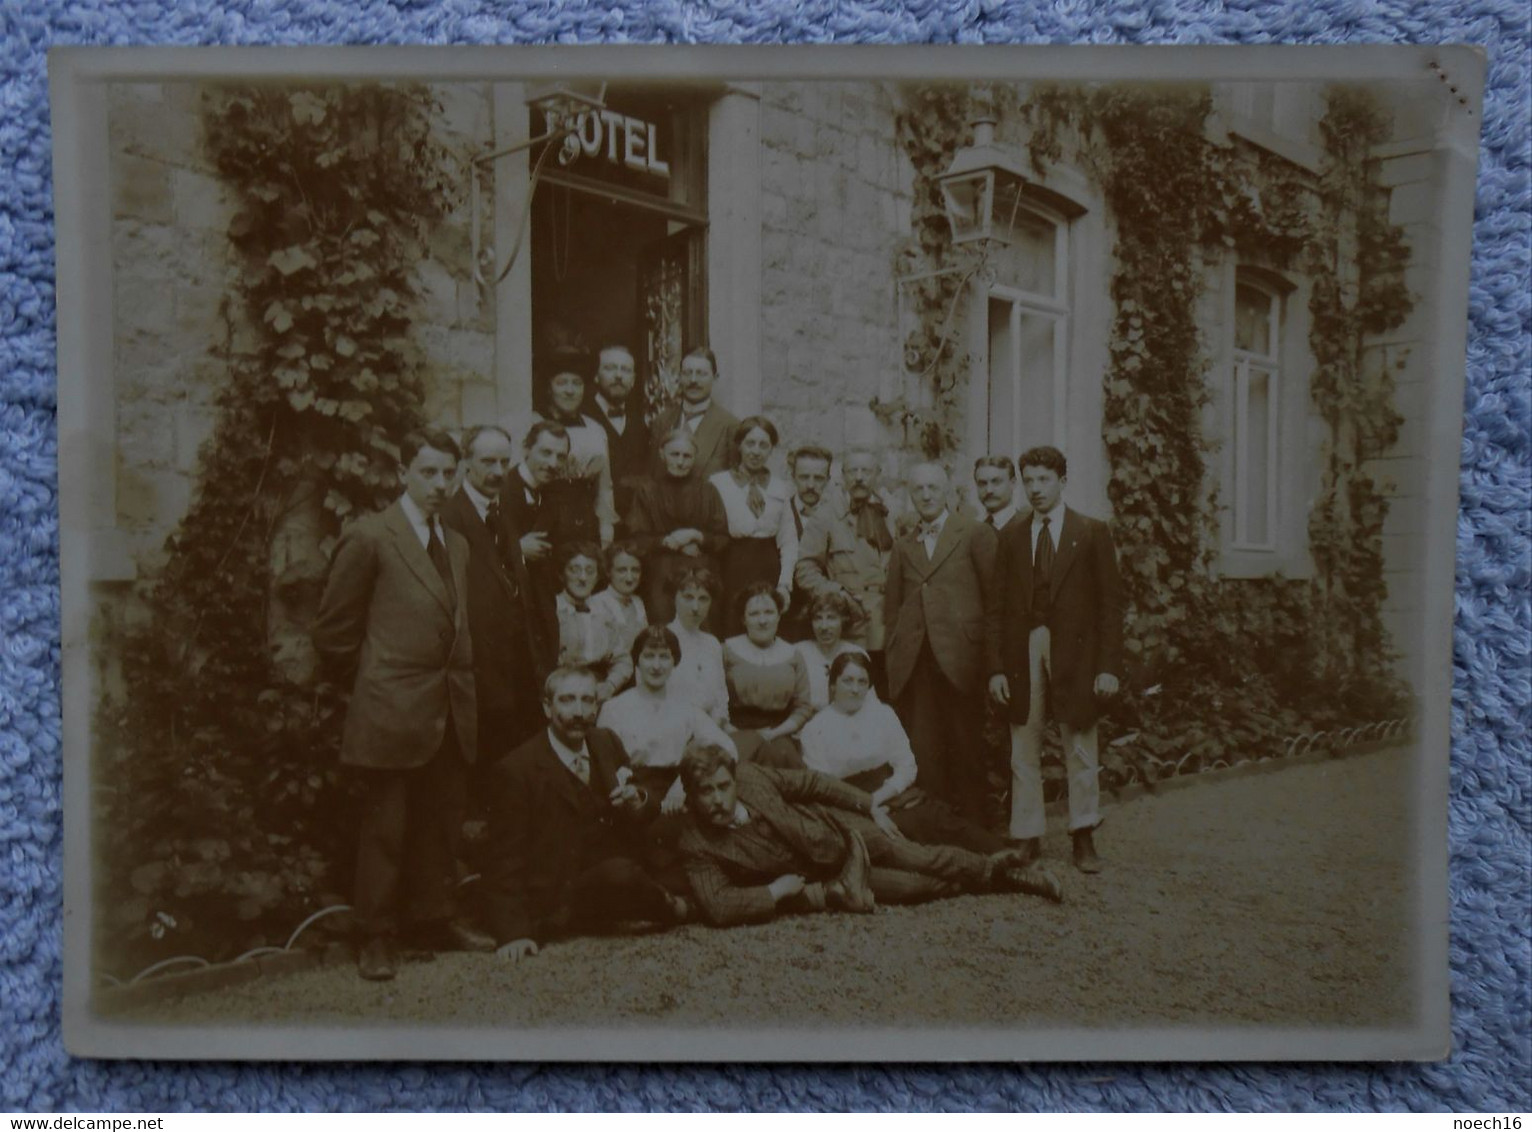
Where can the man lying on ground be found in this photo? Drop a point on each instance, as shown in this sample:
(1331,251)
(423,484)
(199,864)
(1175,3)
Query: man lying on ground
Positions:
(764,840)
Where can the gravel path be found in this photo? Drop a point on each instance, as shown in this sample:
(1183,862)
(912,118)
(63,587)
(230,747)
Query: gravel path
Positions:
(1279,899)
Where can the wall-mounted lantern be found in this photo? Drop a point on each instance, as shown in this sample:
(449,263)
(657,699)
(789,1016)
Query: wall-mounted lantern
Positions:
(983,187)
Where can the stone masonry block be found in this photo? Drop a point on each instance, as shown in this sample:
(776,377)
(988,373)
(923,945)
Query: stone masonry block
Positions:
(141,189)
(144,305)
(193,425)
(437,292)
(201,201)
(145,434)
(148,498)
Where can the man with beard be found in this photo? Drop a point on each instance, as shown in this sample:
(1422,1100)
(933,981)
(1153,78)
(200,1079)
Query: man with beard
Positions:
(847,553)
(514,637)
(616,408)
(565,822)
(393,624)
(764,840)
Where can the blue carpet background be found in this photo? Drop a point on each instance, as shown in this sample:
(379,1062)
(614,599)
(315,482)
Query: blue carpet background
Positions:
(1491,1065)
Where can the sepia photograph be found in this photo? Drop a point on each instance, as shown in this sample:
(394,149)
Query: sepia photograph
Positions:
(686,554)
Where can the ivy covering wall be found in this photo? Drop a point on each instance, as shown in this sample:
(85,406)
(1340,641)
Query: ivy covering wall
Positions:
(221,797)
(1312,654)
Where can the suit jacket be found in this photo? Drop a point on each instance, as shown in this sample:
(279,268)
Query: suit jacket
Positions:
(513,637)
(630,451)
(517,518)
(715,439)
(941,599)
(387,623)
(832,557)
(801,806)
(546,827)
(1084,617)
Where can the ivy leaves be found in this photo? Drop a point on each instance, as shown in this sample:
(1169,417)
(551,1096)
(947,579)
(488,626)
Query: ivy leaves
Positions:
(335,190)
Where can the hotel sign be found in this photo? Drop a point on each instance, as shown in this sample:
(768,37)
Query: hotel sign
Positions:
(619,139)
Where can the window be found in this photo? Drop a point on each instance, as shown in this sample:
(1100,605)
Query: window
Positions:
(1028,325)
(1257,397)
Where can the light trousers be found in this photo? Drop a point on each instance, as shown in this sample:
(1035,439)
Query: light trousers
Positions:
(1081,759)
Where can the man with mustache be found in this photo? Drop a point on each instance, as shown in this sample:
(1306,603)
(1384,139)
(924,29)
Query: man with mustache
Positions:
(565,822)
(994,482)
(616,408)
(393,624)
(514,635)
(711,425)
(846,552)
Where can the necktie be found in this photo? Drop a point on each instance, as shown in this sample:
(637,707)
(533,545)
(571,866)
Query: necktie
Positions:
(437,550)
(990,519)
(492,519)
(582,767)
(753,482)
(1042,569)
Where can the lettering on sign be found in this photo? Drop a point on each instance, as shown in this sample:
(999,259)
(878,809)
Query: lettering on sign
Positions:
(621,140)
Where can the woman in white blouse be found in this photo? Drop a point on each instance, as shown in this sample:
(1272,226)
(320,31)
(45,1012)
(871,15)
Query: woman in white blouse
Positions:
(829,614)
(763,541)
(654,724)
(860,740)
(698,677)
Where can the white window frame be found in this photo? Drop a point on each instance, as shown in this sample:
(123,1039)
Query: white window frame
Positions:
(1054,307)
(1244,362)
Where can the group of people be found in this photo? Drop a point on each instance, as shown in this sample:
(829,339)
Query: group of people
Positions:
(677,684)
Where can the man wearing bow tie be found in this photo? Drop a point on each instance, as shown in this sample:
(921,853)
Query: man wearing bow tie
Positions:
(617,410)
(940,579)
(393,623)
(847,551)
(1056,639)
(565,822)
(711,425)
(514,637)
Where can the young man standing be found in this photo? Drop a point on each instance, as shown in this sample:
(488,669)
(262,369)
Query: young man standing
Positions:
(1056,639)
(393,623)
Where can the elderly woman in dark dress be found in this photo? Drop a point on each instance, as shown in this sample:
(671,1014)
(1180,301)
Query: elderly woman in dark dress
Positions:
(677,522)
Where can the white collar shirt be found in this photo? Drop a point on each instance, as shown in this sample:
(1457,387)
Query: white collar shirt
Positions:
(570,757)
(931,533)
(419,523)
(617,415)
(479,500)
(1000,518)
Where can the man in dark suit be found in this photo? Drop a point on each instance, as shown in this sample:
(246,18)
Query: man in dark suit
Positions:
(393,622)
(763,840)
(1056,639)
(711,425)
(809,467)
(564,827)
(994,482)
(526,516)
(515,640)
(614,407)
(940,577)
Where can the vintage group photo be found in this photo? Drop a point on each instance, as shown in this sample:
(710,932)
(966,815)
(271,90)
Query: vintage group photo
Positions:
(750,560)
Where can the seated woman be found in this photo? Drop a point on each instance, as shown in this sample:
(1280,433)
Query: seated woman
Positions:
(829,614)
(676,521)
(768,683)
(861,741)
(589,635)
(763,540)
(654,723)
(698,678)
(620,601)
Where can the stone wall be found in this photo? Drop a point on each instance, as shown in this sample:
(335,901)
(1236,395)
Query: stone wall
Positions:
(171,270)
(835,206)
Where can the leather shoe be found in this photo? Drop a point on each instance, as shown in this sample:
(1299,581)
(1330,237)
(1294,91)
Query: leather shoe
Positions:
(451,935)
(1085,852)
(379,959)
(851,892)
(1036,880)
